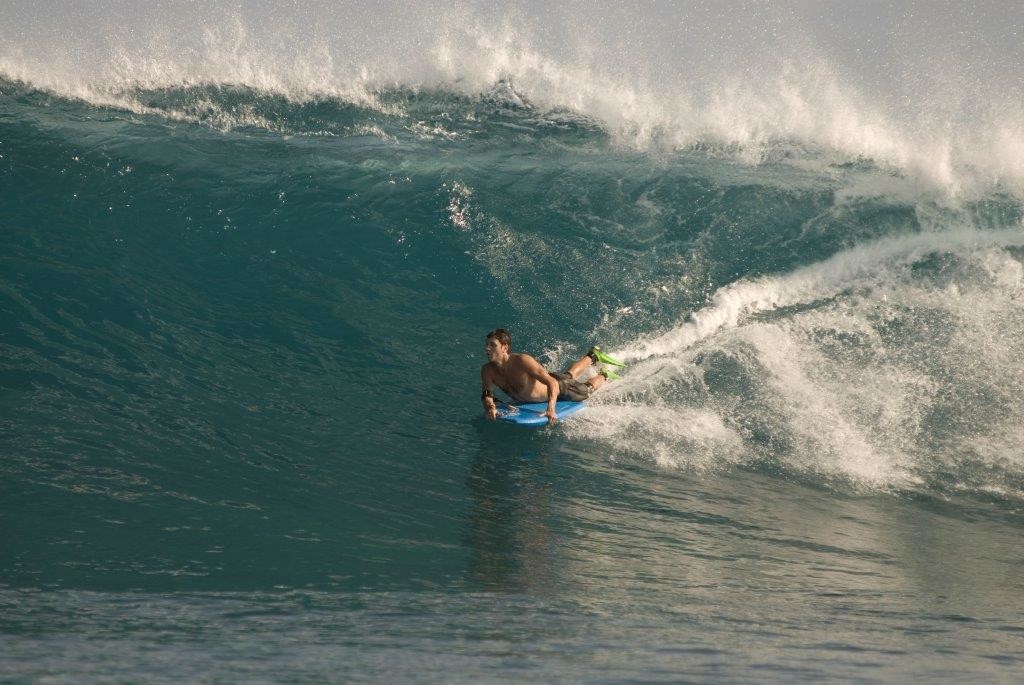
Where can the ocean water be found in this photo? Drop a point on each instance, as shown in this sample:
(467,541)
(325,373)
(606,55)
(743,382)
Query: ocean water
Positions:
(248,258)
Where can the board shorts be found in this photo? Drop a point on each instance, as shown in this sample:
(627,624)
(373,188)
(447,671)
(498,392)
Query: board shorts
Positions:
(569,388)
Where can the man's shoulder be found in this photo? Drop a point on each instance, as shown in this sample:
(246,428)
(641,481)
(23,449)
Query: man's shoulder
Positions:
(522,359)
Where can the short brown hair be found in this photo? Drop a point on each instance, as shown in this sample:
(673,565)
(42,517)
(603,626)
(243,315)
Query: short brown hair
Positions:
(501,335)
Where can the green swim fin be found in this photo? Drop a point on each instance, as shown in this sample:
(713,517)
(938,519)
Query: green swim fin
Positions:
(609,374)
(600,356)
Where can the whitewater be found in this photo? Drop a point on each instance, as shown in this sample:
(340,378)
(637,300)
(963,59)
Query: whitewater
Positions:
(250,254)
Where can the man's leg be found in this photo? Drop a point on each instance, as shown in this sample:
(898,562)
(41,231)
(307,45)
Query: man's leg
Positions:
(580,365)
(594,356)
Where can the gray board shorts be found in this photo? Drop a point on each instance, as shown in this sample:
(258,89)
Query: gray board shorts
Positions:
(570,388)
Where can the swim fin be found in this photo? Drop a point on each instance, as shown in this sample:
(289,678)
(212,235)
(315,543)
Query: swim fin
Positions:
(603,358)
(609,374)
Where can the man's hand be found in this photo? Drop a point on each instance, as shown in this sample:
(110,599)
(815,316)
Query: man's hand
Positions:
(552,416)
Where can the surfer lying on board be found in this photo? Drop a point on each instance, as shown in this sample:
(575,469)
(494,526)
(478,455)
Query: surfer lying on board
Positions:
(525,380)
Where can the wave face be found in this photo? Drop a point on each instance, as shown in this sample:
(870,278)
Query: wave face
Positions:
(248,266)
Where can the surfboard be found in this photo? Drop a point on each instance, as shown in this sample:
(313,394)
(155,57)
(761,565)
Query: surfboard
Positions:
(532,413)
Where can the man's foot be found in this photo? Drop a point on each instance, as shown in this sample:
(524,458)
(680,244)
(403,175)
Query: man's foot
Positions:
(600,357)
(609,374)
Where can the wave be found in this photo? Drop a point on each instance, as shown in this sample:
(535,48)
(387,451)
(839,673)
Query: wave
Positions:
(960,128)
(820,281)
(894,365)
(853,270)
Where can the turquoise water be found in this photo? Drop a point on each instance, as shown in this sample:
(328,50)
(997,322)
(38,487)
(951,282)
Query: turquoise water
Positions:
(240,432)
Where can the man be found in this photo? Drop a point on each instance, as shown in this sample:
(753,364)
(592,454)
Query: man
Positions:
(525,380)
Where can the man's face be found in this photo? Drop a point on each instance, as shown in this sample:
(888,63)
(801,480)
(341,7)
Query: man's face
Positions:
(494,349)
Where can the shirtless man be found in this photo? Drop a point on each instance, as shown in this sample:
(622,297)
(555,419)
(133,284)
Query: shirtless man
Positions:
(525,380)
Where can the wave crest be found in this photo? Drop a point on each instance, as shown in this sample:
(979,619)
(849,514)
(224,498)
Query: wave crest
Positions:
(658,96)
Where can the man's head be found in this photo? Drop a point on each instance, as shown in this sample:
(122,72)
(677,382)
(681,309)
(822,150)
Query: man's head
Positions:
(498,344)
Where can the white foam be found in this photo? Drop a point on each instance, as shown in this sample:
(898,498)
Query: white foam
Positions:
(822,420)
(672,436)
(821,280)
(880,374)
(657,92)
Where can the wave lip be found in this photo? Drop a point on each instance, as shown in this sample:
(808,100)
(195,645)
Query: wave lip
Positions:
(652,97)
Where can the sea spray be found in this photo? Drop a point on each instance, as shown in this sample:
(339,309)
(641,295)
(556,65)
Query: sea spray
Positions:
(797,79)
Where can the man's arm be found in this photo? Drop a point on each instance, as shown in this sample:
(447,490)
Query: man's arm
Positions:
(538,372)
(487,395)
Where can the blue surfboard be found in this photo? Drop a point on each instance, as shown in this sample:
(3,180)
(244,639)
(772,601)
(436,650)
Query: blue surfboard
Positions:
(532,413)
